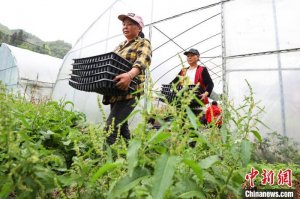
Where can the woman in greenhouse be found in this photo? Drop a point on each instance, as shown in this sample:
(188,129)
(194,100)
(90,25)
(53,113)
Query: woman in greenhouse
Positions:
(136,50)
(196,74)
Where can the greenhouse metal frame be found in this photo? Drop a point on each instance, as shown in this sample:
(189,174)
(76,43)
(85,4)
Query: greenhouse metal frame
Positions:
(253,40)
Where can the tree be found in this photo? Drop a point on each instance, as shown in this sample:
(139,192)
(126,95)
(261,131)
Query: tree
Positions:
(13,39)
(47,49)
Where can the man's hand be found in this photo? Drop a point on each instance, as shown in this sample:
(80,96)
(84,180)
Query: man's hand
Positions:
(123,80)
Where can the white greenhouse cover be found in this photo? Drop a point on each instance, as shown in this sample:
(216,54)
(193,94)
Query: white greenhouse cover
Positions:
(221,31)
(263,46)
(31,74)
(30,65)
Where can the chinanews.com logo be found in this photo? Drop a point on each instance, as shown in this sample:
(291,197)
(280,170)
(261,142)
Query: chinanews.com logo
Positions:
(269,177)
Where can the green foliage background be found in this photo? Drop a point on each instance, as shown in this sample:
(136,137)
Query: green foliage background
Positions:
(23,39)
(47,151)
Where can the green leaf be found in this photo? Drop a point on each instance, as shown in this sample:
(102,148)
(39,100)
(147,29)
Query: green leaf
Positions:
(128,182)
(67,143)
(163,174)
(235,149)
(192,117)
(192,194)
(159,136)
(46,177)
(196,168)
(6,189)
(246,148)
(186,186)
(105,168)
(209,161)
(223,135)
(241,119)
(237,178)
(149,106)
(210,178)
(185,183)
(257,135)
(48,132)
(132,155)
(25,122)
(68,180)
(159,149)
(68,102)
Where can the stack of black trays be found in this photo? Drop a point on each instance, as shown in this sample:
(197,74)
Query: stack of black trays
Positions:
(170,94)
(96,74)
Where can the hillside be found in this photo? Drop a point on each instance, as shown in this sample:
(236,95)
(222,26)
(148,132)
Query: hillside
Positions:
(23,39)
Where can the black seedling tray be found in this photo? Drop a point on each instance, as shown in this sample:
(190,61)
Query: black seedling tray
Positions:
(167,98)
(169,88)
(94,65)
(105,68)
(97,58)
(103,86)
(166,87)
(170,94)
(98,76)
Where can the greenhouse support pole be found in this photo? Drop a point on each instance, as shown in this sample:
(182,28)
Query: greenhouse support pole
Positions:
(281,90)
(147,71)
(223,52)
(108,29)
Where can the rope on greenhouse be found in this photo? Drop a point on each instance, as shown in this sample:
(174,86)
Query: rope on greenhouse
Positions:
(152,23)
(216,66)
(210,69)
(216,78)
(185,62)
(212,58)
(264,53)
(95,21)
(170,39)
(261,69)
(92,44)
(186,31)
(7,68)
(183,50)
(190,11)
(217,73)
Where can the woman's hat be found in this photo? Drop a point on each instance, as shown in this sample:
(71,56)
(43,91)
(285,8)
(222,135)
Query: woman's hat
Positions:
(134,17)
(192,51)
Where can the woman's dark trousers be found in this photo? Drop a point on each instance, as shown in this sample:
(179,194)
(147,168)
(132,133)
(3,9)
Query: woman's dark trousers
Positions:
(120,110)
